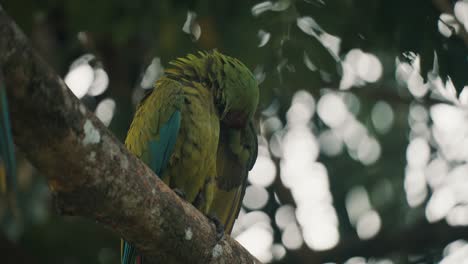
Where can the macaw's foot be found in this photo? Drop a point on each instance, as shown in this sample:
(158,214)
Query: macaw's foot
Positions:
(180,193)
(218,225)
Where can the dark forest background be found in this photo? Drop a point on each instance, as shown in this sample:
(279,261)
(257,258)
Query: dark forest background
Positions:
(362,121)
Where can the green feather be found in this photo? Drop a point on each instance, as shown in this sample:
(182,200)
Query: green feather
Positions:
(233,84)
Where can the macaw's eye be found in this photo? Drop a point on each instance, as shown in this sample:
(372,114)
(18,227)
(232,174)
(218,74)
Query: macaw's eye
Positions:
(236,119)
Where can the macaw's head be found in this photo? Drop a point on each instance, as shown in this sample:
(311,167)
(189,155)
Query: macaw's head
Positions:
(235,90)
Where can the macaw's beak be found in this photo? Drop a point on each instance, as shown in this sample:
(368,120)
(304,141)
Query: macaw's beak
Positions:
(236,119)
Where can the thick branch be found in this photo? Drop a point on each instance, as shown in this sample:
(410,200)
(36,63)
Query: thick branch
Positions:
(91,173)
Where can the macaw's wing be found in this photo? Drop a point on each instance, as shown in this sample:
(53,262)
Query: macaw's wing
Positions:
(152,137)
(160,150)
(153,133)
(237,152)
(7,151)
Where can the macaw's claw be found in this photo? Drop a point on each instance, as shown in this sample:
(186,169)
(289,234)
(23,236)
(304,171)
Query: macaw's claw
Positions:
(180,193)
(218,225)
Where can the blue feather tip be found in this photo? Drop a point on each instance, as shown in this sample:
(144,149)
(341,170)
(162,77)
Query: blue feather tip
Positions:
(7,149)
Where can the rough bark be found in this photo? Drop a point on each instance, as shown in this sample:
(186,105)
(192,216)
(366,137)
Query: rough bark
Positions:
(91,172)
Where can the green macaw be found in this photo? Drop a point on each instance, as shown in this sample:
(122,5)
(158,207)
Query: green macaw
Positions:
(7,151)
(195,131)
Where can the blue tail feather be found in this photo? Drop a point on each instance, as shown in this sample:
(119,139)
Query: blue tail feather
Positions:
(7,150)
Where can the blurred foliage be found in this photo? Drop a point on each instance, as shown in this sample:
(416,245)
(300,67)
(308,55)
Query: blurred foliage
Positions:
(125,36)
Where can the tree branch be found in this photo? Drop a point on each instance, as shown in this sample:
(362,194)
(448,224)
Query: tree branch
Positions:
(91,172)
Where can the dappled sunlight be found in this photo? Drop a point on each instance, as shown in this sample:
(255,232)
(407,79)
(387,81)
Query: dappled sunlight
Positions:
(278,251)
(263,173)
(309,26)
(382,117)
(153,72)
(259,8)
(100,82)
(368,66)
(331,42)
(404,70)
(264,37)
(455,252)
(255,197)
(339,113)
(331,144)
(368,225)
(85,76)
(253,231)
(314,221)
(437,151)
(360,68)
(461,13)
(191,26)
(447,25)
(415,186)
(356,260)
(306,178)
(259,240)
(79,79)
(360,144)
(277,6)
(458,215)
(321,235)
(408,74)
(418,153)
(291,236)
(284,216)
(442,200)
(302,108)
(260,74)
(361,260)
(357,203)
(361,213)
(105,111)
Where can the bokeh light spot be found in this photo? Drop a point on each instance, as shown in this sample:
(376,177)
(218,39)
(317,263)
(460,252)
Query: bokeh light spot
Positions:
(330,143)
(368,224)
(100,82)
(332,110)
(79,79)
(284,216)
(291,237)
(258,241)
(418,153)
(382,117)
(255,197)
(263,173)
(105,111)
